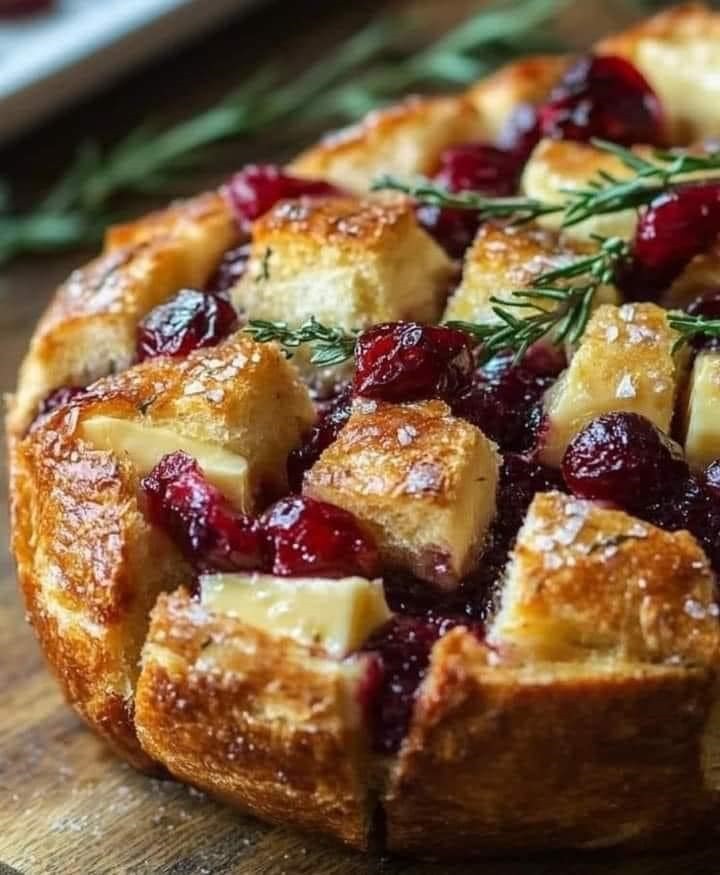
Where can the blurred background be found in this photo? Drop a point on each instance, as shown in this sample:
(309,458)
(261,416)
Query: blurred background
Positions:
(111,107)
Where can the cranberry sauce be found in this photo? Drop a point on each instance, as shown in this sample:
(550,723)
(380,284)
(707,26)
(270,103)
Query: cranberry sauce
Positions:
(332,416)
(186,322)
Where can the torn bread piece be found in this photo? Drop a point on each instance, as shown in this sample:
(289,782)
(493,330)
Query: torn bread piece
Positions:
(504,259)
(350,262)
(422,481)
(406,139)
(238,408)
(588,583)
(625,361)
(90,328)
(256,719)
(553,755)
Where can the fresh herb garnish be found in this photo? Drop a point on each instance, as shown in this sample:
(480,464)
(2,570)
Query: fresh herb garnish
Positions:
(427,192)
(606,193)
(376,64)
(691,327)
(560,303)
(330,346)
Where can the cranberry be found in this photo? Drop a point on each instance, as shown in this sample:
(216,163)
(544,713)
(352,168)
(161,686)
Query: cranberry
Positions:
(406,361)
(24,7)
(606,97)
(199,519)
(258,187)
(504,401)
(312,537)
(674,228)
(322,434)
(230,271)
(622,458)
(712,478)
(708,306)
(186,322)
(470,167)
(403,647)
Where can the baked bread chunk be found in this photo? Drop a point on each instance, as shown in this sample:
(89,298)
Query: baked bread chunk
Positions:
(463,579)
(422,480)
(351,262)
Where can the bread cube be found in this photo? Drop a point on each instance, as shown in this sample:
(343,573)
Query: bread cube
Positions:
(239,408)
(585,582)
(346,261)
(702,412)
(422,481)
(504,259)
(405,139)
(625,361)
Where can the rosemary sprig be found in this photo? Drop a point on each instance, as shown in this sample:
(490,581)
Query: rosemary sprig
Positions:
(691,327)
(560,302)
(427,192)
(605,193)
(330,346)
(376,64)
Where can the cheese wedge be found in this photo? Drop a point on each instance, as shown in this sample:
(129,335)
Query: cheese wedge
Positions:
(702,415)
(337,615)
(145,445)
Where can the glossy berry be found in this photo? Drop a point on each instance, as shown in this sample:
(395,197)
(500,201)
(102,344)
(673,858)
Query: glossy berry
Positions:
(403,648)
(186,322)
(622,458)
(323,433)
(468,167)
(258,187)
(504,400)
(673,229)
(406,361)
(707,305)
(606,97)
(230,271)
(711,478)
(311,537)
(197,517)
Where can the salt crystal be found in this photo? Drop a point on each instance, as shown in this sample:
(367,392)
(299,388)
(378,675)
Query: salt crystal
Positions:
(406,435)
(626,388)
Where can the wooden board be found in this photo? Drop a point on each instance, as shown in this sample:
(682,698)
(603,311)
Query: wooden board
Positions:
(67,807)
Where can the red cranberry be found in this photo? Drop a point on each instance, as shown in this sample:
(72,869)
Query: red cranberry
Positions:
(315,538)
(24,7)
(199,519)
(712,478)
(230,271)
(673,229)
(258,187)
(622,458)
(469,167)
(504,401)
(605,97)
(708,306)
(406,361)
(403,647)
(322,434)
(186,322)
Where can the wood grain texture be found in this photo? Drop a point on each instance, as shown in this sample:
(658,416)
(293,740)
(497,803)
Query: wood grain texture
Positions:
(67,806)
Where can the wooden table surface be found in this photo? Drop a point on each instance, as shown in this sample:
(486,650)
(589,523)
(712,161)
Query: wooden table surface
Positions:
(67,807)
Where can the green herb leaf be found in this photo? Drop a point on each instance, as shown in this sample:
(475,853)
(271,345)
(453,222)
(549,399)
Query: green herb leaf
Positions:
(330,346)
(693,326)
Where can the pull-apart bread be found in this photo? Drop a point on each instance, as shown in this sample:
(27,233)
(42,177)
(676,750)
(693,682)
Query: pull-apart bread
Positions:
(390,516)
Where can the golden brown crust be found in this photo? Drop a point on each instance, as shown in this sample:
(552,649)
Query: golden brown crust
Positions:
(406,139)
(587,582)
(90,568)
(423,481)
(89,329)
(257,720)
(522,758)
